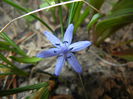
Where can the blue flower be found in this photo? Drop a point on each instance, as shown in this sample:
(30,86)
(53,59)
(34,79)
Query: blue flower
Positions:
(64,50)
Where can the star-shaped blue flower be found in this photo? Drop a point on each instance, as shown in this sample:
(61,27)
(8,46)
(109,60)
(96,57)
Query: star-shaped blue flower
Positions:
(64,50)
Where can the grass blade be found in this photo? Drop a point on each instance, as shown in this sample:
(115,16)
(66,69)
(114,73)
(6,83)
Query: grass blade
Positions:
(21,52)
(26,88)
(78,10)
(82,18)
(71,13)
(121,15)
(26,59)
(12,66)
(61,19)
(93,20)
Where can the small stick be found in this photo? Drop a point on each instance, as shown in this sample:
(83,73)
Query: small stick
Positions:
(51,6)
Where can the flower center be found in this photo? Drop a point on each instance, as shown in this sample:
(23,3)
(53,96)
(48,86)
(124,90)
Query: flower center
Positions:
(65,47)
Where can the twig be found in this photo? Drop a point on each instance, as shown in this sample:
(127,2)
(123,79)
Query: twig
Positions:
(51,6)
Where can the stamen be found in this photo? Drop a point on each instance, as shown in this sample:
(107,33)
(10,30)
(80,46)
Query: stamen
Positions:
(68,57)
(57,44)
(55,51)
(71,48)
(65,42)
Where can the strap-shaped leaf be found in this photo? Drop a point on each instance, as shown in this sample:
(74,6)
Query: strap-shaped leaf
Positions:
(8,73)
(12,43)
(26,88)
(121,15)
(5,46)
(13,68)
(26,59)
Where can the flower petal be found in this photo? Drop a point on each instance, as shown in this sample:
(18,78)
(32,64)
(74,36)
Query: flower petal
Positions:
(74,62)
(49,53)
(60,63)
(68,34)
(79,45)
(53,39)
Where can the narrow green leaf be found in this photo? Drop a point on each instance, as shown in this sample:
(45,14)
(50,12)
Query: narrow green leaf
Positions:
(45,94)
(61,19)
(22,89)
(6,60)
(78,11)
(4,66)
(21,52)
(82,18)
(8,73)
(5,46)
(93,20)
(72,11)
(119,17)
(26,59)
(12,66)
(4,43)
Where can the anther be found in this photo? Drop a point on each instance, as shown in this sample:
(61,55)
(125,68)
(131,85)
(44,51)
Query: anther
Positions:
(71,48)
(55,51)
(65,41)
(57,44)
(68,57)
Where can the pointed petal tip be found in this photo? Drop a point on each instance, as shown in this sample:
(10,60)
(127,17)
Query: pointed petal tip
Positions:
(89,43)
(79,70)
(71,25)
(45,32)
(77,46)
(39,55)
(68,34)
(56,74)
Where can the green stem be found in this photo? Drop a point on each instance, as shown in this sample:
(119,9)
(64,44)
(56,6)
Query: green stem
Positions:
(61,19)
(82,18)
(71,13)
(74,12)
(77,12)
(53,15)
